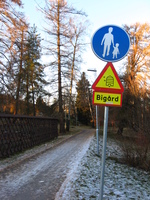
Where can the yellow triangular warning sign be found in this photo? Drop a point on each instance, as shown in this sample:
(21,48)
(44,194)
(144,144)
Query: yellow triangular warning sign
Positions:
(108,80)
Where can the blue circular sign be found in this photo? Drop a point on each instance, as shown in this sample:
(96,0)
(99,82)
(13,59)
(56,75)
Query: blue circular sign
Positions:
(110,43)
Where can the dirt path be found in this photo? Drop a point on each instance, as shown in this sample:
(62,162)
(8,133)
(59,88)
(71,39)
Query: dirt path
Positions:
(41,177)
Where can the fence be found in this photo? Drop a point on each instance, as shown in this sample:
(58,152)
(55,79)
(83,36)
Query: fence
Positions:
(18,133)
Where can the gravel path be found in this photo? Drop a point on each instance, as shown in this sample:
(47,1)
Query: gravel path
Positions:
(40,177)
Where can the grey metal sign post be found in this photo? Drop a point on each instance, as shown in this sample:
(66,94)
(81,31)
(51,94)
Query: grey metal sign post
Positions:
(104,151)
(111,44)
(97,130)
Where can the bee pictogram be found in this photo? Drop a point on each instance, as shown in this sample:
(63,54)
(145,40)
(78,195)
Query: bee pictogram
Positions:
(109,81)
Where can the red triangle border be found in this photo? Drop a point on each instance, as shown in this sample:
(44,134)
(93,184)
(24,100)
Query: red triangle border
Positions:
(121,90)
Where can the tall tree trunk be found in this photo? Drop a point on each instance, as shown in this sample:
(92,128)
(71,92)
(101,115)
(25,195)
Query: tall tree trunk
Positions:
(27,91)
(71,84)
(144,113)
(33,102)
(61,114)
(19,75)
(17,95)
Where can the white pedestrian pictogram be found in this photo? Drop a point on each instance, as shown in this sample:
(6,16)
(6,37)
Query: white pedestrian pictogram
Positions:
(115,51)
(108,39)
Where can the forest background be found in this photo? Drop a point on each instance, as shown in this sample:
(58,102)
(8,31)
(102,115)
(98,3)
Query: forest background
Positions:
(58,87)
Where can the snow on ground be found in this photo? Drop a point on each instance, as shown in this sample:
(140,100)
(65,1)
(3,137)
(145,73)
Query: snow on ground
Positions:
(121,182)
(73,167)
(29,153)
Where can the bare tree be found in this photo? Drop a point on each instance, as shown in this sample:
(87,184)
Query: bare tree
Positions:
(58,15)
(20,45)
(11,22)
(8,20)
(136,77)
(78,31)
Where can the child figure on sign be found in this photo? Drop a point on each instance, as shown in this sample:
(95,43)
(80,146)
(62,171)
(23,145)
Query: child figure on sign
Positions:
(116,50)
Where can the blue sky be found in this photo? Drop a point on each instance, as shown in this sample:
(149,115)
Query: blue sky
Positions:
(100,13)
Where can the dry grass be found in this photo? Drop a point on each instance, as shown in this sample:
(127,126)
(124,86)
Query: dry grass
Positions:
(135,147)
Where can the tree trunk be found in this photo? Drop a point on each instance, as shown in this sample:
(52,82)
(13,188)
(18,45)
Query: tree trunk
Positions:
(27,91)
(19,75)
(61,114)
(120,130)
(33,101)
(71,84)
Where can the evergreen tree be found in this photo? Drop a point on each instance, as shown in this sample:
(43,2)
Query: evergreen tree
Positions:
(34,81)
(83,101)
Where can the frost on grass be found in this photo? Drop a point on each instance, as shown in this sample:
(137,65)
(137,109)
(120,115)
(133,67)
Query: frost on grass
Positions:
(121,182)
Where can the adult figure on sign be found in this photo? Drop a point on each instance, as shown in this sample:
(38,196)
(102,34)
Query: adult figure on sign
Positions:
(107,40)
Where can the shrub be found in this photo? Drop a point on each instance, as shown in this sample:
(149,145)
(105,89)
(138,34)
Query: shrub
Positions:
(136,151)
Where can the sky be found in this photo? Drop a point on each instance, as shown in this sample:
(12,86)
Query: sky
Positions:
(100,13)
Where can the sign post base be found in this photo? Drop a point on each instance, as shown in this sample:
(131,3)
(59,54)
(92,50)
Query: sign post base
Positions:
(104,151)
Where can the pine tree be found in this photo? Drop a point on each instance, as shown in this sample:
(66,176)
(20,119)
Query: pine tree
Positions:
(83,103)
(34,80)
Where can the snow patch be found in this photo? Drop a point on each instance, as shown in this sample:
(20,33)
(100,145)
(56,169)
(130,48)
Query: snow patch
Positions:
(120,182)
(66,187)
